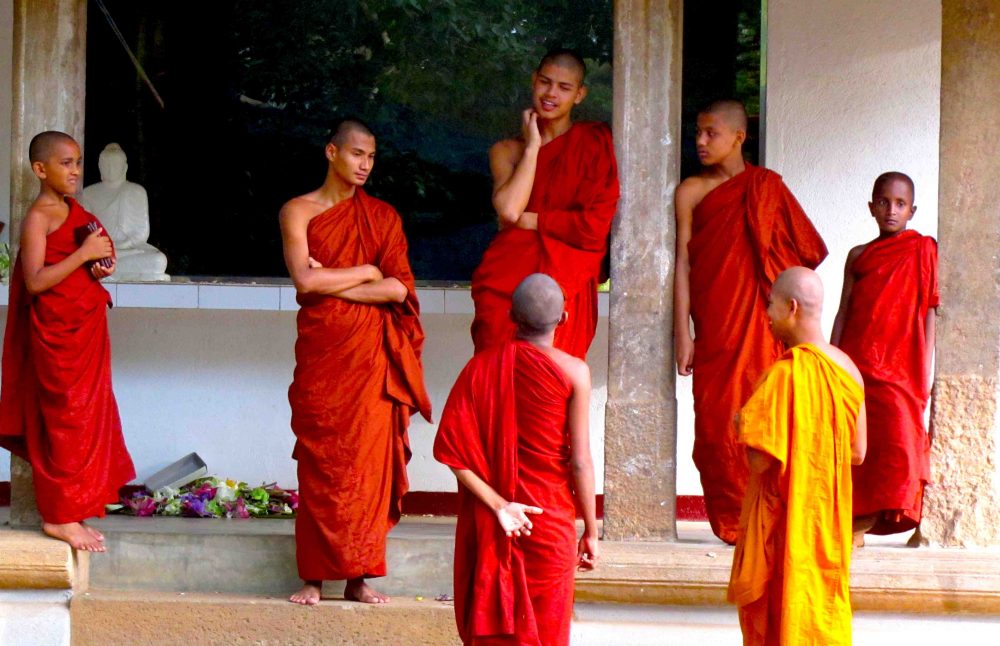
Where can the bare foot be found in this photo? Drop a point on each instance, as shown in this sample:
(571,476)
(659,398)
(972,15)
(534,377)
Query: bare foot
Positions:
(309,594)
(861,526)
(917,539)
(76,534)
(358,590)
(96,534)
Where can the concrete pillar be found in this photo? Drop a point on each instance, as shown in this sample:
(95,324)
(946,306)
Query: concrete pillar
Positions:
(640,427)
(48,91)
(962,503)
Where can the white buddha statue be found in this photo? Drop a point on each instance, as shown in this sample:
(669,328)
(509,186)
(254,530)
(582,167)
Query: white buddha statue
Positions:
(123,209)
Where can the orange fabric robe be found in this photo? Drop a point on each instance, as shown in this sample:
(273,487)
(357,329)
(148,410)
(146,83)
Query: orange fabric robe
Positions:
(358,379)
(575,194)
(895,284)
(744,233)
(57,408)
(791,566)
(506,421)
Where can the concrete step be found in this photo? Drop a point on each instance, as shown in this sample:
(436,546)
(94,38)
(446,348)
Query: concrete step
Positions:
(254,556)
(102,617)
(258,557)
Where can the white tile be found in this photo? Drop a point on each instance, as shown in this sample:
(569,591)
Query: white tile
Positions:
(113,290)
(155,295)
(603,304)
(287,299)
(4,295)
(431,300)
(239,297)
(458,301)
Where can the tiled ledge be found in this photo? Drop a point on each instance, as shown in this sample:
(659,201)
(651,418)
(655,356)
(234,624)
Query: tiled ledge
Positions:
(267,295)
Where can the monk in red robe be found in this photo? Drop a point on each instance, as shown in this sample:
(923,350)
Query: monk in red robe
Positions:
(358,376)
(515,433)
(738,227)
(57,409)
(886,324)
(555,190)
(803,427)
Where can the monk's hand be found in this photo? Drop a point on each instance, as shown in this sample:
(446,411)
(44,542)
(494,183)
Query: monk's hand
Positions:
(99,271)
(514,519)
(529,130)
(96,246)
(587,553)
(374,273)
(684,354)
(314,264)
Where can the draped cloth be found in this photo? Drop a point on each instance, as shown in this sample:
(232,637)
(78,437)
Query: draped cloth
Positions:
(57,408)
(358,379)
(792,559)
(506,421)
(575,194)
(744,233)
(895,284)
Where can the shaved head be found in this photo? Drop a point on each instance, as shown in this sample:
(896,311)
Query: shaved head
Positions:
(729,110)
(344,127)
(43,144)
(537,305)
(567,58)
(893,176)
(803,285)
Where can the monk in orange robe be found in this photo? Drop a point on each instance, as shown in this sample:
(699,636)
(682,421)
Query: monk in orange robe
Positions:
(358,376)
(803,427)
(515,433)
(738,227)
(57,408)
(555,190)
(886,325)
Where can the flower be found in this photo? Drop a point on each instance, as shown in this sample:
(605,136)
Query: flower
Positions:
(212,498)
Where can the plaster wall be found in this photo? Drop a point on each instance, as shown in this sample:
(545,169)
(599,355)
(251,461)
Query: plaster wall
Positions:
(6,81)
(853,90)
(35,617)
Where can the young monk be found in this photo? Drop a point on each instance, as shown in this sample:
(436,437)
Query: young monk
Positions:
(515,433)
(803,428)
(358,376)
(57,408)
(738,227)
(886,324)
(555,190)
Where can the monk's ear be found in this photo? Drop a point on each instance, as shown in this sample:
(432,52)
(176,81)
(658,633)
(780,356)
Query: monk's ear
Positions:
(871,208)
(581,94)
(38,168)
(741,136)
(793,306)
(563,318)
(913,210)
(331,151)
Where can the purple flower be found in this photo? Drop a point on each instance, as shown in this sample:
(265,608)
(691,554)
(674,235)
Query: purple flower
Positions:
(194,506)
(293,499)
(141,505)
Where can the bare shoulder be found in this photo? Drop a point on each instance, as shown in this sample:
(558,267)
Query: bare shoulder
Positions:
(575,369)
(302,207)
(841,359)
(853,254)
(509,150)
(692,191)
(44,217)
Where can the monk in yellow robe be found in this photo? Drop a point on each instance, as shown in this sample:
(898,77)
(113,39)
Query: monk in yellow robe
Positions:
(804,426)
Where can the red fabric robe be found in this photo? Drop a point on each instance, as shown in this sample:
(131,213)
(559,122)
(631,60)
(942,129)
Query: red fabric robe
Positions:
(57,408)
(575,194)
(358,379)
(744,233)
(506,421)
(895,284)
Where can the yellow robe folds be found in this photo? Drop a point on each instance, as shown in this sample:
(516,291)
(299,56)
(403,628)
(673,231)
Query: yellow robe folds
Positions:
(792,560)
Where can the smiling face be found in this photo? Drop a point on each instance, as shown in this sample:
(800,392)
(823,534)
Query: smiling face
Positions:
(61,169)
(717,139)
(892,205)
(555,89)
(353,160)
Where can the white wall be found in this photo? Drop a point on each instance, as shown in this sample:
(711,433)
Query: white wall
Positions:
(853,90)
(216,382)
